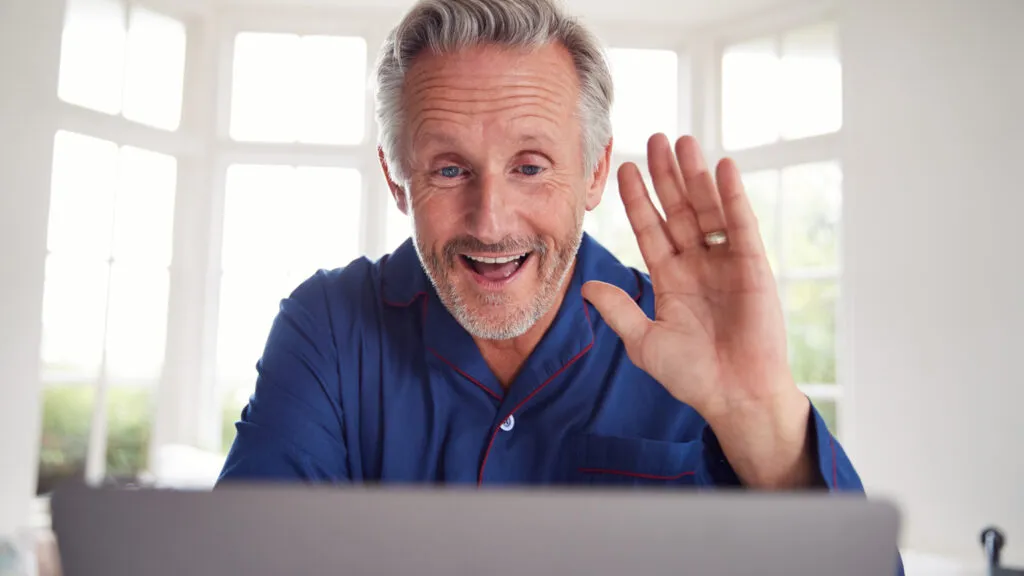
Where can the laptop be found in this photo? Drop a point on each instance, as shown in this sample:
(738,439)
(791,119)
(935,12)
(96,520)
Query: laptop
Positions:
(278,530)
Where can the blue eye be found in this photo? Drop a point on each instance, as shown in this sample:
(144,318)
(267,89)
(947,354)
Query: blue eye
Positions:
(450,172)
(530,170)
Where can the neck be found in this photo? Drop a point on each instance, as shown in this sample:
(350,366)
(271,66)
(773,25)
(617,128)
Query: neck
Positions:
(505,358)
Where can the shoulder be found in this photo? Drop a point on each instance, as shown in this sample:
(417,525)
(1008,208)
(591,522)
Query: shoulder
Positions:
(351,298)
(339,289)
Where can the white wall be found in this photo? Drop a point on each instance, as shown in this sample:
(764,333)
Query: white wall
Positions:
(29,53)
(934,258)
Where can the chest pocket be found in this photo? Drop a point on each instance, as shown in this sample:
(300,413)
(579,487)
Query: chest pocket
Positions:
(608,460)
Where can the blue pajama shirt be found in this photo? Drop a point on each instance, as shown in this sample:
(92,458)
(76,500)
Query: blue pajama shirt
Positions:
(366,377)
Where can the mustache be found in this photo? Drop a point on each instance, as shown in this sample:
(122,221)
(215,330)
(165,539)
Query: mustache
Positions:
(467,243)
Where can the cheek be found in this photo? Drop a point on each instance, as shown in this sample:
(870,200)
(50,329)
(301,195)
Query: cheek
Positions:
(436,218)
(559,212)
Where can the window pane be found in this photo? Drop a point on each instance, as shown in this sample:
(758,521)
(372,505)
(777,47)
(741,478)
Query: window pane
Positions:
(812,209)
(129,424)
(67,413)
(82,195)
(811,82)
(763,191)
(137,324)
(331,96)
(155,69)
(144,209)
(74,309)
(610,226)
(324,219)
(750,94)
(827,409)
(291,220)
(255,200)
(264,77)
(811,316)
(249,302)
(92,58)
(287,88)
(646,96)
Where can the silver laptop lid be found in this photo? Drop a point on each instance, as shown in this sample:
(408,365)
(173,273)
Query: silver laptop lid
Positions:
(301,530)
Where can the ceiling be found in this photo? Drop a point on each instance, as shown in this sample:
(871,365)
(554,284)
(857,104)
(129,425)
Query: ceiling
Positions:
(688,13)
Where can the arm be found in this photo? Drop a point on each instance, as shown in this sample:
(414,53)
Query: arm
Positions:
(830,467)
(292,428)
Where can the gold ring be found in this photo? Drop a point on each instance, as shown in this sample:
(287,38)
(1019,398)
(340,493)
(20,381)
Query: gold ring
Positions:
(716,238)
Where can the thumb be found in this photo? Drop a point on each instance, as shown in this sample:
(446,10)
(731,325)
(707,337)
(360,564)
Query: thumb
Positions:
(619,311)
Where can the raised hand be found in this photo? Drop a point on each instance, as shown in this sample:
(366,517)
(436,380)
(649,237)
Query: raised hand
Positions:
(718,340)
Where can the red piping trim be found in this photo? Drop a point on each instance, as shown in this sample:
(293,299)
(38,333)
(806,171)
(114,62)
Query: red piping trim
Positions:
(435,352)
(635,474)
(494,434)
(835,473)
(639,286)
(406,304)
(466,376)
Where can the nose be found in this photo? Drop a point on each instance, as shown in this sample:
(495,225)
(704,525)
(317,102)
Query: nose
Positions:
(489,213)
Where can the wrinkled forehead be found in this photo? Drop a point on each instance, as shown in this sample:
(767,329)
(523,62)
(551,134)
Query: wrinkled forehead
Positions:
(512,88)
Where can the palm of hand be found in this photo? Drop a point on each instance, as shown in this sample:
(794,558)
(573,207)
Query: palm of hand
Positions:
(718,337)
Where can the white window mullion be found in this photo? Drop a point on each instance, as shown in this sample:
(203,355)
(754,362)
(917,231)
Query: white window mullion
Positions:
(183,399)
(96,451)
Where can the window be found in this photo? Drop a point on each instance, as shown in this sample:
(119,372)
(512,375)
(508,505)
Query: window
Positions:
(609,224)
(646,97)
(281,224)
(777,89)
(120,61)
(781,87)
(799,208)
(104,304)
(109,241)
(646,102)
(305,89)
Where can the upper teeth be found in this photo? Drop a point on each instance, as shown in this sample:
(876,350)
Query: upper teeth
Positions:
(498,260)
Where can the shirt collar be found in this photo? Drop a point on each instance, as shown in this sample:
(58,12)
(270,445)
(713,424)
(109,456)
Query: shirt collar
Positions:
(570,336)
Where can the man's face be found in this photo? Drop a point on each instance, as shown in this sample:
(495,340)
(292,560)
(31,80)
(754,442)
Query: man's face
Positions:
(496,180)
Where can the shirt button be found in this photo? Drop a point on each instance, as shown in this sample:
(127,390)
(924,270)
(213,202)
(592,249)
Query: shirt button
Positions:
(509,423)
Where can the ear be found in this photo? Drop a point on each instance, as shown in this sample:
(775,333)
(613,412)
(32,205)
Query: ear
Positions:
(600,177)
(397,192)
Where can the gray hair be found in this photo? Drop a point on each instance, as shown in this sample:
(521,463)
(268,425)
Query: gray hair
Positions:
(442,26)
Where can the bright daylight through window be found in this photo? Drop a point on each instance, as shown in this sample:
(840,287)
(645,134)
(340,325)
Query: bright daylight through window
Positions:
(776,90)
(283,222)
(109,241)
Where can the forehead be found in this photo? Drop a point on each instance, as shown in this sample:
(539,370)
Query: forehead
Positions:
(492,82)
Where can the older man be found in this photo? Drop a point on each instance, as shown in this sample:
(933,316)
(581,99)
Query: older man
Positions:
(501,344)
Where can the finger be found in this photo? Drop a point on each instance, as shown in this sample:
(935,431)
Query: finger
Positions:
(619,311)
(700,186)
(644,218)
(744,233)
(681,220)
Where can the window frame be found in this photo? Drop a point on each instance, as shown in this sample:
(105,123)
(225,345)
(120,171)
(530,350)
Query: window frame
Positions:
(778,156)
(226,152)
(122,132)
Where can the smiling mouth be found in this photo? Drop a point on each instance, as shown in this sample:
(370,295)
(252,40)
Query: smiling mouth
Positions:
(495,268)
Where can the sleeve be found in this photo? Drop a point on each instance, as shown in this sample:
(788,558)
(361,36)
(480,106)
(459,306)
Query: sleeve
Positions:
(292,427)
(835,471)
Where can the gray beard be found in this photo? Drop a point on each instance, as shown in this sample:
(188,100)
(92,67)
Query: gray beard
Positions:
(517,321)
